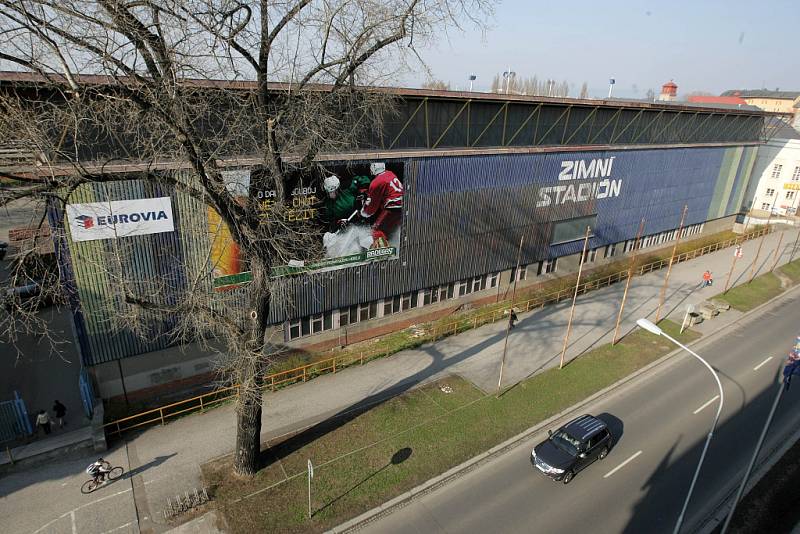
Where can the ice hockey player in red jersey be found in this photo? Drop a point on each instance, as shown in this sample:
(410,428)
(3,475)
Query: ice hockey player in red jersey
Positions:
(384,202)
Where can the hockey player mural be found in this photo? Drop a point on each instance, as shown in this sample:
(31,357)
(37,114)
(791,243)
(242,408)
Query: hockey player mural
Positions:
(357,211)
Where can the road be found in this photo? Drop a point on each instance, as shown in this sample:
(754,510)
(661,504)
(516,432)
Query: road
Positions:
(660,422)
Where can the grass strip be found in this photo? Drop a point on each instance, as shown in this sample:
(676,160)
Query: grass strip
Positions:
(747,296)
(435,430)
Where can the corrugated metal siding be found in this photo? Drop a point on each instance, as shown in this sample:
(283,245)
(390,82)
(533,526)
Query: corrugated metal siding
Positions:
(463,217)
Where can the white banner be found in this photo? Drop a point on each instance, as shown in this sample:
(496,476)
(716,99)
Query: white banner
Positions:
(120,218)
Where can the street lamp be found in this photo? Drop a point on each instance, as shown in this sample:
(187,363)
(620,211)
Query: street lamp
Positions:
(472,78)
(508,74)
(650,327)
(611,83)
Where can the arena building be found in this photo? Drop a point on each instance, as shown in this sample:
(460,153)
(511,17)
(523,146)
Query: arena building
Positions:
(477,173)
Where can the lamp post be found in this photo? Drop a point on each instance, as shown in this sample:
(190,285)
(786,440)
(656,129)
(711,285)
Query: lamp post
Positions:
(472,78)
(611,82)
(650,327)
(508,74)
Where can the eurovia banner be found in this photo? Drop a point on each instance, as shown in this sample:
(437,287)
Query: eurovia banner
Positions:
(356,212)
(120,218)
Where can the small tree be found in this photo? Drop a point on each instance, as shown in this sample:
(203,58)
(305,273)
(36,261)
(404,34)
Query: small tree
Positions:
(584,90)
(436,85)
(159,98)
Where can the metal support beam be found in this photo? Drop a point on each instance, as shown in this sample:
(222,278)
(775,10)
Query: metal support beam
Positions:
(427,127)
(450,125)
(614,116)
(664,129)
(575,132)
(651,123)
(628,126)
(524,123)
(555,123)
(566,124)
(411,118)
(700,126)
(499,111)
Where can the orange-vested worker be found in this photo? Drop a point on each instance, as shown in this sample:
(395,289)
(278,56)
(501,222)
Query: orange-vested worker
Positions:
(385,202)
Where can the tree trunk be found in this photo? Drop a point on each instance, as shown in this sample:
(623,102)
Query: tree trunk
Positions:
(250,374)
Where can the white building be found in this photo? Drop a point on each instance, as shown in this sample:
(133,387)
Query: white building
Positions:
(778,169)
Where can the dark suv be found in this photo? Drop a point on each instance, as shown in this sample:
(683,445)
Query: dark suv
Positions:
(572,447)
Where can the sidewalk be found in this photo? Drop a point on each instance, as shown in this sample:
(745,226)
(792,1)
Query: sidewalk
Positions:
(535,344)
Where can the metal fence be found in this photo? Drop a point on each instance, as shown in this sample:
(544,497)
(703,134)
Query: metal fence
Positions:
(306,372)
(14,420)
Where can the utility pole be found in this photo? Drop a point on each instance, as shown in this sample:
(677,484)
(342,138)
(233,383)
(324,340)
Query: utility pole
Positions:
(575,296)
(628,281)
(510,313)
(669,268)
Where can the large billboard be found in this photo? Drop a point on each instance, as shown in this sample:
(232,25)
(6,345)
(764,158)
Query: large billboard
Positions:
(352,213)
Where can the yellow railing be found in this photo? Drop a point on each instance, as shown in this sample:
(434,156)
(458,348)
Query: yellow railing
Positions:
(331,365)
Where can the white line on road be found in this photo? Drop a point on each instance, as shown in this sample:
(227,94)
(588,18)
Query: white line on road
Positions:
(757,367)
(700,409)
(620,466)
(65,514)
(74,527)
(118,528)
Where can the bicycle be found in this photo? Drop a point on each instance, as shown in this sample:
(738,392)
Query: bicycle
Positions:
(92,484)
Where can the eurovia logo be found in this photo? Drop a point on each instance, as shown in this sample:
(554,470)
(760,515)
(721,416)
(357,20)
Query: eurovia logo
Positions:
(120,218)
(84,221)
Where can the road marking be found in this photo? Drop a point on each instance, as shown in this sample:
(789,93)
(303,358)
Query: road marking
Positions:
(620,466)
(129,523)
(697,411)
(65,514)
(757,367)
(74,527)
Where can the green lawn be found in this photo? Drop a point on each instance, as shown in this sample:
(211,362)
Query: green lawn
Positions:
(747,296)
(792,270)
(354,471)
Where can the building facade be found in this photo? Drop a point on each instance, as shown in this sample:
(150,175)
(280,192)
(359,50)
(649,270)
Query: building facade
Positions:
(776,175)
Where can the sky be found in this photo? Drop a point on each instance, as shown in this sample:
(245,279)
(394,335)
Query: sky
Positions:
(702,45)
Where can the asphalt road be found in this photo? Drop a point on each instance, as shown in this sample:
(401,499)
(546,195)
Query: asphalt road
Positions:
(660,421)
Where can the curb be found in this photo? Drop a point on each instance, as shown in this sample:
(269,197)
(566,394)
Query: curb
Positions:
(403,499)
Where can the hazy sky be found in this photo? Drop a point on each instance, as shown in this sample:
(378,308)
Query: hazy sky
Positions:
(703,45)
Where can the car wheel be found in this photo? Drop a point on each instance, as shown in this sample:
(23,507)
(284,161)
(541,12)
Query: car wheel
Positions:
(603,453)
(568,477)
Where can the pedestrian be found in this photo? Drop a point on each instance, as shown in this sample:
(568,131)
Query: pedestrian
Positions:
(710,279)
(513,318)
(43,421)
(61,411)
(706,279)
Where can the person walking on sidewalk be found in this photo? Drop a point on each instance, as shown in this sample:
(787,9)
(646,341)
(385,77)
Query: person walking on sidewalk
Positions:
(43,421)
(513,318)
(707,279)
(61,411)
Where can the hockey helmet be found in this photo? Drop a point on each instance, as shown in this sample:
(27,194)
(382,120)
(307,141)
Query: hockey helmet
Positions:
(376,168)
(330,184)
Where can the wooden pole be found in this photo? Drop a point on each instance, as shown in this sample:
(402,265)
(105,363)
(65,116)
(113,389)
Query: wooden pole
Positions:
(777,251)
(628,281)
(508,325)
(735,256)
(669,268)
(794,248)
(733,265)
(758,250)
(575,296)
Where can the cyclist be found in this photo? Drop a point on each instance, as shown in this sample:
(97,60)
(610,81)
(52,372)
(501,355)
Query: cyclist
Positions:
(98,470)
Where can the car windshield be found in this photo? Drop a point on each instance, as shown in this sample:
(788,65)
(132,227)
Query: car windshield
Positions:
(565,442)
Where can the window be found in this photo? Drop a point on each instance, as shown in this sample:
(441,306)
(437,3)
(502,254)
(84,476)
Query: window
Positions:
(313,324)
(348,315)
(796,174)
(776,170)
(367,311)
(399,303)
(765,206)
(770,192)
(436,294)
(494,279)
(572,229)
(590,255)
(548,266)
(463,288)
(478,283)
(789,195)
(611,250)
(521,275)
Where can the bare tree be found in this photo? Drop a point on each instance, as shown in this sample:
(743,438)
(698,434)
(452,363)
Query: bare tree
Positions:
(140,81)
(436,85)
(584,90)
(650,95)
